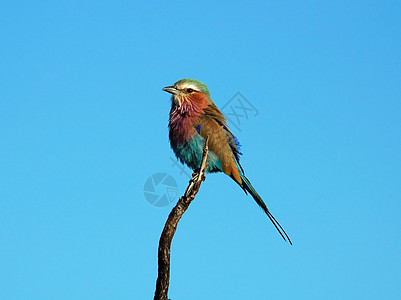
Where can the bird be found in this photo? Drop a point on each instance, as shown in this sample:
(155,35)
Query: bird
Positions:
(193,118)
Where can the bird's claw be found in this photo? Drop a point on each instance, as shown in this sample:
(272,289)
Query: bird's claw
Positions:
(195,176)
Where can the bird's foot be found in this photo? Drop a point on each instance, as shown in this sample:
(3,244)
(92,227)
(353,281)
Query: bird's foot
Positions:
(195,176)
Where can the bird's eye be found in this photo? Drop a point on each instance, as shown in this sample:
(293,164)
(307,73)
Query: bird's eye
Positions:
(190,90)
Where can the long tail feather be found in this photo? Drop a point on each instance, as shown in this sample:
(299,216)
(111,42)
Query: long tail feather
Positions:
(247,186)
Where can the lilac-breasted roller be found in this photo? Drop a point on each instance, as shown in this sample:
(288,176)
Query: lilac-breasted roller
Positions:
(193,117)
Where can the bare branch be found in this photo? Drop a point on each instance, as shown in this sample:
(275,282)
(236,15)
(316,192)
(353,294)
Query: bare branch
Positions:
(163,277)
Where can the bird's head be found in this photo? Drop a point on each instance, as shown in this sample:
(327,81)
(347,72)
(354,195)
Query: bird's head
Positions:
(189,92)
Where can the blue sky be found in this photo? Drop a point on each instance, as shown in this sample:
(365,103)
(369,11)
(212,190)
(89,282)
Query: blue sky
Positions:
(84,124)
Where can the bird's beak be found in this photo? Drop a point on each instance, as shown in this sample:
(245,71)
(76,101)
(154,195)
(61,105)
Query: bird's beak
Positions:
(171,90)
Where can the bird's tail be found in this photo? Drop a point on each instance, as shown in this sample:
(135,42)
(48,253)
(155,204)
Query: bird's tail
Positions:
(247,186)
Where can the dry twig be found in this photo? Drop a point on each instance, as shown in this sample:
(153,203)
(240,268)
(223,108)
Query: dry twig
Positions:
(163,278)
